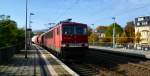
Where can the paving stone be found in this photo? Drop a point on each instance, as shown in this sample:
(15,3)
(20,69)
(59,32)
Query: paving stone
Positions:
(19,66)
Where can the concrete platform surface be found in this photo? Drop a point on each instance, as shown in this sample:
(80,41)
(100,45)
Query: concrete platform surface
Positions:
(19,66)
(39,62)
(139,53)
(54,66)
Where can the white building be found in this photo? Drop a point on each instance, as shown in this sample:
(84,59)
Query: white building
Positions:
(143,27)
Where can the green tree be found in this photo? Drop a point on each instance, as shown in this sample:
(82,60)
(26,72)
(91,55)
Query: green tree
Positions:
(4,17)
(20,35)
(9,33)
(109,32)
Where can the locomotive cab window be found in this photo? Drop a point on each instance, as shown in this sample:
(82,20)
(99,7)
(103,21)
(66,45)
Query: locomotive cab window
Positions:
(80,30)
(74,30)
(50,34)
(68,30)
(58,31)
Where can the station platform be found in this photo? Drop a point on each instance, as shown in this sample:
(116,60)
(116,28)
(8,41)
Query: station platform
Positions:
(39,62)
(54,67)
(139,53)
(20,66)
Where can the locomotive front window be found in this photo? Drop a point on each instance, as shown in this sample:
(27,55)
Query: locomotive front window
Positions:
(74,30)
(80,30)
(68,30)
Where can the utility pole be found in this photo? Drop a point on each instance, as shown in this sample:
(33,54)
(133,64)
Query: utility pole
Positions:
(26,29)
(93,34)
(30,28)
(114,32)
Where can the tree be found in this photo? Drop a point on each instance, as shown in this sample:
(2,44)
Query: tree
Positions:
(109,32)
(130,32)
(89,31)
(138,37)
(93,37)
(9,33)
(20,35)
(123,38)
(101,28)
(4,17)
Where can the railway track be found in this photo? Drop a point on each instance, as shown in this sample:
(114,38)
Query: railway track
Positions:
(83,69)
(98,63)
(129,66)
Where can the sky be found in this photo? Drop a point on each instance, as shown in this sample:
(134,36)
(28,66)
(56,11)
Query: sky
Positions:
(97,12)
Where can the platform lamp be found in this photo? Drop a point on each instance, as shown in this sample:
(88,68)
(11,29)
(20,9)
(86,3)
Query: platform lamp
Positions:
(114,28)
(93,34)
(30,28)
(26,29)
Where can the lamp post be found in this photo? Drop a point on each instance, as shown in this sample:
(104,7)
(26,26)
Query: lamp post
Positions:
(26,29)
(30,28)
(93,35)
(114,32)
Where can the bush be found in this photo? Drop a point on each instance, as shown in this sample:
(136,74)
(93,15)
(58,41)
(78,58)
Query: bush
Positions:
(9,33)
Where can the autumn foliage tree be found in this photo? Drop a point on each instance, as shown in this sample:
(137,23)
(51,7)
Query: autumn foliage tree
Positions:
(130,32)
(123,38)
(138,37)
(101,28)
(93,37)
(89,31)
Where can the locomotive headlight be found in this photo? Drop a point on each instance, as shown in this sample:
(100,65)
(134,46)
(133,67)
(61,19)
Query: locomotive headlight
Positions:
(86,44)
(65,45)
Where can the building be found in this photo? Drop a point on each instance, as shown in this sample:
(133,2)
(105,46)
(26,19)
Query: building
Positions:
(100,31)
(142,25)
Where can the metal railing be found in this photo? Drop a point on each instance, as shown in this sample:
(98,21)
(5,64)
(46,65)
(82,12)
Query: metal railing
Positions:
(7,52)
(144,47)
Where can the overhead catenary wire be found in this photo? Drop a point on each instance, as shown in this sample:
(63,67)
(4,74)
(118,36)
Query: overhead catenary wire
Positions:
(69,8)
(122,13)
(132,10)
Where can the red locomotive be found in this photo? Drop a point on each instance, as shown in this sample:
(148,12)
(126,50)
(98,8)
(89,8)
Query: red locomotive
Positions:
(66,39)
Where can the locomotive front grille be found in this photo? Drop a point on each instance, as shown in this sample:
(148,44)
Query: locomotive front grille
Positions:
(75,45)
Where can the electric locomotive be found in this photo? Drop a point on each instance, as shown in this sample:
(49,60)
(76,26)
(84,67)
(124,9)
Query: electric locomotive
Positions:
(66,39)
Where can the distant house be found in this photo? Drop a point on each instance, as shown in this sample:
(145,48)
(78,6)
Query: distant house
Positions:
(100,31)
(143,27)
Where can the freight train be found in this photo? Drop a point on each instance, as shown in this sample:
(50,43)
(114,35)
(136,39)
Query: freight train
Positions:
(66,39)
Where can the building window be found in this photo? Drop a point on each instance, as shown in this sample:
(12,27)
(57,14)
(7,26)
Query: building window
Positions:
(144,23)
(138,24)
(140,19)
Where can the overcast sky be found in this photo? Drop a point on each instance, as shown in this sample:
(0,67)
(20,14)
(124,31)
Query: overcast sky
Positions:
(98,12)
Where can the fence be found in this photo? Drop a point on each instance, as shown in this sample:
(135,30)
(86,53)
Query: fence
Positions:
(144,47)
(7,52)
